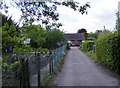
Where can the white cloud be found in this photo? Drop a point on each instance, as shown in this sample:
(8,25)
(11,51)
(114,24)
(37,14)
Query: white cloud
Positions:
(101,13)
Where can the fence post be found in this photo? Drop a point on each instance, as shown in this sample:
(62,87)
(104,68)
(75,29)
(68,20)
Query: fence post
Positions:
(23,74)
(38,58)
(27,68)
(50,64)
(55,58)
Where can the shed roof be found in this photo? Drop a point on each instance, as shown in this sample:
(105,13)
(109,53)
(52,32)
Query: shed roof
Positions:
(74,36)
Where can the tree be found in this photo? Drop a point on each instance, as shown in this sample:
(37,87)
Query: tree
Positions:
(10,36)
(91,36)
(97,33)
(82,30)
(54,39)
(36,34)
(10,32)
(42,11)
(105,31)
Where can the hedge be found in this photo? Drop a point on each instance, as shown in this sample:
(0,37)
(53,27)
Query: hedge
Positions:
(107,50)
(87,45)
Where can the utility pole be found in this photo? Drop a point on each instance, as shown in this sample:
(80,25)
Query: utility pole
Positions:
(104,27)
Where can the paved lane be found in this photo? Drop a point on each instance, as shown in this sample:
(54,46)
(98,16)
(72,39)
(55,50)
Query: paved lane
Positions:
(80,70)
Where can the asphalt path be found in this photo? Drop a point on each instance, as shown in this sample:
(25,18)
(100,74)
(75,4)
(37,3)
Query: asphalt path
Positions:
(80,70)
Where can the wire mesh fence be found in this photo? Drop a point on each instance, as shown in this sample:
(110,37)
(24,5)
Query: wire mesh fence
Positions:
(33,68)
(43,65)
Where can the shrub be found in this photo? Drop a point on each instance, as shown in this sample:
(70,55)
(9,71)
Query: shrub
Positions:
(22,50)
(15,67)
(87,46)
(68,46)
(107,47)
(43,50)
(5,67)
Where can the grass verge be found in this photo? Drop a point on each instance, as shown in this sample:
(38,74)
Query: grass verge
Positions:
(94,58)
(90,54)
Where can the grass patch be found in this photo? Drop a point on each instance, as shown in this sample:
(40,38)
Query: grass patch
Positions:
(91,55)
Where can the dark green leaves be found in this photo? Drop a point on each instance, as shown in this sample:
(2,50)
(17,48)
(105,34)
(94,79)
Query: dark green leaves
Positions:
(44,12)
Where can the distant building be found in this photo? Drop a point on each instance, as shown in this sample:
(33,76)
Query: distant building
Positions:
(76,39)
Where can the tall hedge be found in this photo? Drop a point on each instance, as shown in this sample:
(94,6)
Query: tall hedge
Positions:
(107,50)
(87,45)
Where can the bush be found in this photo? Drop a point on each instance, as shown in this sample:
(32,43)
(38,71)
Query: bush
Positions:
(107,50)
(15,67)
(5,67)
(87,46)
(68,46)
(43,50)
(92,55)
(23,49)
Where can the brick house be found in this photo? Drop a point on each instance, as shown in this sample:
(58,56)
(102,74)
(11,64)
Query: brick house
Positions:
(75,38)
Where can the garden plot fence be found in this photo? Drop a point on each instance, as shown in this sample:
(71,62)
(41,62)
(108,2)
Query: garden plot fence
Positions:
(36,67)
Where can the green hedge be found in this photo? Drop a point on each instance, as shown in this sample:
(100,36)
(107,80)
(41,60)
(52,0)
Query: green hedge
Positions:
(86,46)
(107,50)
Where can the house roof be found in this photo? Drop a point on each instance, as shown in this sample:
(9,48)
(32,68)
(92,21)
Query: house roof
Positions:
(74,36)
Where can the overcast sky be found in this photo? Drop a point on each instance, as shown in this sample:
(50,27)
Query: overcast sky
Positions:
(102,13)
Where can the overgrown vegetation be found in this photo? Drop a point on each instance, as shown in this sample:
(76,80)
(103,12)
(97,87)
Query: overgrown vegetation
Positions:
(107,47)
(87,46)
(15,48)
(92,55)
(43,38)
(16,68)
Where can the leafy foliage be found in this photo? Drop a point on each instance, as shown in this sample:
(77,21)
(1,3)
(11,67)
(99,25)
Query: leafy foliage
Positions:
(44,12)
(54,39)
(36,33)
(98,33)
(22,49)
(5,67)
(43,50)
(10,36)
(15,67)
(95,35)
(107,50)
(87,46)
(68,46)
(6,19)
(83,31)
(92,55)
